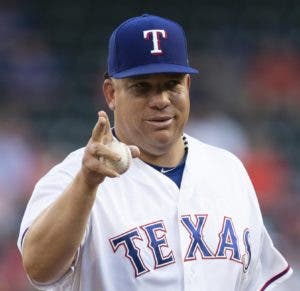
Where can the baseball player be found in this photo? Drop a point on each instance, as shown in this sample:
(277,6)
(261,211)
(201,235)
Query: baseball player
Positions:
(184,216)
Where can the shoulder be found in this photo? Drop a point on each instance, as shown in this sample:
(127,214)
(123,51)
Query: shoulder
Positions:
(201,150)
(215,163)
(68,167)
(220,168)
(74,158)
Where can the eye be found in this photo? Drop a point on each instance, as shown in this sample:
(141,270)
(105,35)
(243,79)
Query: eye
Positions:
(172,84)
(140,87)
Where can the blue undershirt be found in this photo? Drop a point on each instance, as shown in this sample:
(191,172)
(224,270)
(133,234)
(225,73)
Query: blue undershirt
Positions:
(175,174)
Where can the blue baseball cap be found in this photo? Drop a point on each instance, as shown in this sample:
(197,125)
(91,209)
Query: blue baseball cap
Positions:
(148,44)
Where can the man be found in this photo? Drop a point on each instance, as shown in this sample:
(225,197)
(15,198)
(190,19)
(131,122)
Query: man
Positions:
(184,216)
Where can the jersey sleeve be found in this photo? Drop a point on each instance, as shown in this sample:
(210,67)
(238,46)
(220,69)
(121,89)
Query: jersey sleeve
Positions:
(270,268)
(46,191)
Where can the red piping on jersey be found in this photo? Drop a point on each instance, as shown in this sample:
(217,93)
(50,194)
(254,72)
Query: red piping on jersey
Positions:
(275,278)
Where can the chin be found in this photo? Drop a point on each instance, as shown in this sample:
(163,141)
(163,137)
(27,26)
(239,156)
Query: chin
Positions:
(162,137)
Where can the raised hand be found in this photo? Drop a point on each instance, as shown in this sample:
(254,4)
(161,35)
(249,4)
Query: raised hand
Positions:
(98,151)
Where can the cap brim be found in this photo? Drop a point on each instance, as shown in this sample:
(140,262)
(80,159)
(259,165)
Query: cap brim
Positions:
(154,69)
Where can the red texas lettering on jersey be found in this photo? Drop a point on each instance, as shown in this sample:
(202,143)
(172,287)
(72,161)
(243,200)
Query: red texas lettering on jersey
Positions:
(157,240)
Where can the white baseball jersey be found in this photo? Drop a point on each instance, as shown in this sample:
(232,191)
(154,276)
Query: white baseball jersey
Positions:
(145,234)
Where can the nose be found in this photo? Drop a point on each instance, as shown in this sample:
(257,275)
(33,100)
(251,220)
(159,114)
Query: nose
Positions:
(160,100)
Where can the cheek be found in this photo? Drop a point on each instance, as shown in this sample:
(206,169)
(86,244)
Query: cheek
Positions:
(185,115)
(188,108)
(183,106)
(127,111)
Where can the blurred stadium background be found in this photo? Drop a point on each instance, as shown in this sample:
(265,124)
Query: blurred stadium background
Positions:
(245,99)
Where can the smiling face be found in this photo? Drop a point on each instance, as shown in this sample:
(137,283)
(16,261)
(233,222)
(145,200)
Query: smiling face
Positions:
(150,111)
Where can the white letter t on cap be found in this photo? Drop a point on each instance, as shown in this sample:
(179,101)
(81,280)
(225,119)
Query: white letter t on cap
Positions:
(155,39)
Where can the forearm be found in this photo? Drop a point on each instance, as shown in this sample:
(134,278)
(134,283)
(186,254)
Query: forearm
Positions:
(54,238)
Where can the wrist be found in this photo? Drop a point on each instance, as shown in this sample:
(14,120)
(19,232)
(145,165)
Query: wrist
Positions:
(88,183)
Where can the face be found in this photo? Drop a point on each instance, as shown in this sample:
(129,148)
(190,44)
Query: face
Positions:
(150,111)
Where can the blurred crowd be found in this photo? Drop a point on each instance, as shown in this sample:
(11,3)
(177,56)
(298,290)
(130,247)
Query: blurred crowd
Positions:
(246,101)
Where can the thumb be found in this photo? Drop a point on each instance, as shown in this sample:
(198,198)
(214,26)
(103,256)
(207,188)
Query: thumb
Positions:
(135,151)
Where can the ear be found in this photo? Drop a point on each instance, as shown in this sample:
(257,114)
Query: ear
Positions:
(109,93)
(189,80)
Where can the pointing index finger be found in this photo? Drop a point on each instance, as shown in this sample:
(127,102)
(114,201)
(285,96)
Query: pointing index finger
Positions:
(102,129)
(99,128)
